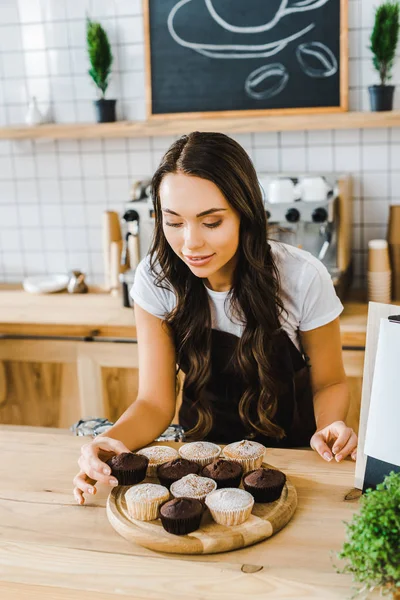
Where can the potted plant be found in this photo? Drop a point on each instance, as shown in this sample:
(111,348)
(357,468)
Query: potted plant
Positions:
(101,59)
(372,549)
(383,40)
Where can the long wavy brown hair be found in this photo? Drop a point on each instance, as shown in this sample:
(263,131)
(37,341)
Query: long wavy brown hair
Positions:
(254,295)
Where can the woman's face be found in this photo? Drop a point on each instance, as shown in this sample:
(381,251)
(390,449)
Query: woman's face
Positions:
(200,226)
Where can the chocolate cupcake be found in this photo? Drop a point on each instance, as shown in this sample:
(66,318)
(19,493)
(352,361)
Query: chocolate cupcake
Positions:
(265,485)
(173,470)
(128,468)
(181,515)
(226,473)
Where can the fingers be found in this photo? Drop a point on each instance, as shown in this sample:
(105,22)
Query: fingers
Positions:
(83,484)
(343,435)
(319,444)
(348,448)
(95,468)
(90,463)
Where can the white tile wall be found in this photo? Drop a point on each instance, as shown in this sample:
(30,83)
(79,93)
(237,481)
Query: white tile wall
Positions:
(52,194)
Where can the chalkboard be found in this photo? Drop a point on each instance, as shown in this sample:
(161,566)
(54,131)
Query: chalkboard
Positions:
(225,57)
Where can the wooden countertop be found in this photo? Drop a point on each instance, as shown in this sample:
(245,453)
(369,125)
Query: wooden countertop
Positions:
(51,548)
(94,314)
(99,314)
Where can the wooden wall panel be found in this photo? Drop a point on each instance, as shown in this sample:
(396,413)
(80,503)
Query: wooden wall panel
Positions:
(33,392)
(120,388)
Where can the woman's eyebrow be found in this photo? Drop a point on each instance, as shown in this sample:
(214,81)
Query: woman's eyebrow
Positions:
(202,214)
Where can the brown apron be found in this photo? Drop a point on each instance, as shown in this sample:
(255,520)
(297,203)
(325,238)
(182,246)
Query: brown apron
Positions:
(295,412)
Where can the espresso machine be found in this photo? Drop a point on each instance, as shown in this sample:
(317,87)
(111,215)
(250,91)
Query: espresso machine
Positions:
(313,212)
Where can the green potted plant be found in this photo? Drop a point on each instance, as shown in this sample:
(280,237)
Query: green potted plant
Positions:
(383,40)
(372,549)
(101,59)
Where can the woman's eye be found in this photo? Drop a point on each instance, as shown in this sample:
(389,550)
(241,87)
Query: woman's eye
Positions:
(173,224)
(213,225)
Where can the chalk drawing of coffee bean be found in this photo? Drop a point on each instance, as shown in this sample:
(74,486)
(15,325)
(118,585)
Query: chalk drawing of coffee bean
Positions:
(316,59)
(266,81)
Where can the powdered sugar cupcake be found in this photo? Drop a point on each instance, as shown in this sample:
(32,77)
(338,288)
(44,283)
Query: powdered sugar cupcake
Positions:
(248,454)
(143,501)
(157,455)
(202,453)
(230,506)
(193,486)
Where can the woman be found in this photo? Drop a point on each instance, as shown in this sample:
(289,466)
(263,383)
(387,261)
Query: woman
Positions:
(252,323)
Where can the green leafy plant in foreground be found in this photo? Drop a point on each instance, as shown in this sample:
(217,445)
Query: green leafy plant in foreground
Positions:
(372,549)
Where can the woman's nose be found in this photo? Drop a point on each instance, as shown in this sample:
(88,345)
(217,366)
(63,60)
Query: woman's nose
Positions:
(193,238)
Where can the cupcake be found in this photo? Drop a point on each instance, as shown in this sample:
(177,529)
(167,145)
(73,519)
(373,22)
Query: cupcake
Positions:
(175,469)
(226,473)
(157,455)
(144,500)
(248,454)
(230,506)
(128,468)
(265,485)
(193,486)
(181,515)
(200,452)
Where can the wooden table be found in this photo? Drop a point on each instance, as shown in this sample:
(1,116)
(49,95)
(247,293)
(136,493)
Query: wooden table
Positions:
(53,549)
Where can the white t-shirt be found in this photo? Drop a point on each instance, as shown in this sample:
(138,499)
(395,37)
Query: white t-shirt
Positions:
(307,294)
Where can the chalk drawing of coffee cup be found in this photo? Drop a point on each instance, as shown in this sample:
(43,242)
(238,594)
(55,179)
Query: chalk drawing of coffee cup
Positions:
(316,59)
(266,81)
(236,49)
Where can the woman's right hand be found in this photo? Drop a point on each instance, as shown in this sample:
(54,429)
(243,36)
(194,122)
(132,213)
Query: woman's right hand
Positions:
(93,467)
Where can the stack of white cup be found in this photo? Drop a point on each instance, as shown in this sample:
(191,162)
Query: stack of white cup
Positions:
(379,272)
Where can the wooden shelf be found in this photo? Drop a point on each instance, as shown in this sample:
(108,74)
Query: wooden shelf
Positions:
(160,127)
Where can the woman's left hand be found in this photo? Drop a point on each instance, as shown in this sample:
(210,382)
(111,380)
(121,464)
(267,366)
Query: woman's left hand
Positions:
(337,436)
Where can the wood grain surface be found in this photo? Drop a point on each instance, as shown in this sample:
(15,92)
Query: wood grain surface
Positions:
(48,541)
(210,538)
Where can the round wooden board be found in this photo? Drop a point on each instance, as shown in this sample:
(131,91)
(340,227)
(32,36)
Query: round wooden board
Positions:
(265,521)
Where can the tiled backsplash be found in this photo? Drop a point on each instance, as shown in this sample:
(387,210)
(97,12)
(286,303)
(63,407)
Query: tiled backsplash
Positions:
(52,194)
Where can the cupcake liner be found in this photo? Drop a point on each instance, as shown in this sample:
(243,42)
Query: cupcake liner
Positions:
(230,506)
(247,464)
(129,477)
(231,517)
(181,526)
(144,501)
(145,511)
(263,496)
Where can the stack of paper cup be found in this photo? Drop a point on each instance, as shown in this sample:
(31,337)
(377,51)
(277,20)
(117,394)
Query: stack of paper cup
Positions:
(394,248)
(379,273)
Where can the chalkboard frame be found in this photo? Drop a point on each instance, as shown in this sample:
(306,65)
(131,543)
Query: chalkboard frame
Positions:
(343,79)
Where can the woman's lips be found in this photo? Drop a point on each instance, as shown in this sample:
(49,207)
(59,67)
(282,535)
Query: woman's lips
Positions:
(198,262)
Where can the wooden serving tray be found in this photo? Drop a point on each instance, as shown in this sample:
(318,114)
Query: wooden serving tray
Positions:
(265,520)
